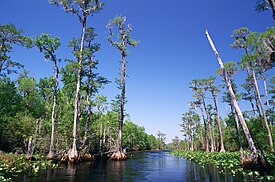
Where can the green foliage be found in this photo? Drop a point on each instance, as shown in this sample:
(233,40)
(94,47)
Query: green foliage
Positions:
(19,129)
(11,103)
(9,98)
(20,113)
(26,85)
(81,8)
(47,45)
(31,99)
(135,138)
(258,133)
(123,36)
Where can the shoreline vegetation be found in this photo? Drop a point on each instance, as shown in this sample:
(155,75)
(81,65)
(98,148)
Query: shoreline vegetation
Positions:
(12,165)
(231,162)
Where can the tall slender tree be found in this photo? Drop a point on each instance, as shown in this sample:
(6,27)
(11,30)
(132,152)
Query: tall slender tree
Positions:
(82,9)
(124,40)
(48,46)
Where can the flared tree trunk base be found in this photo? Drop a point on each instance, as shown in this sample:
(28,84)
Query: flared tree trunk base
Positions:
(118,155)
(256,162)
(50,155)
(72,156)
(87,158)
(29,157)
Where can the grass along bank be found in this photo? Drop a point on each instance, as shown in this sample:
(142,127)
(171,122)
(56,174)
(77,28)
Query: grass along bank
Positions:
(228,160)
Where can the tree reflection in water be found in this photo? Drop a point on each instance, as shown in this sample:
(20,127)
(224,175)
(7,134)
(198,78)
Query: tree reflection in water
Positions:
(143,167)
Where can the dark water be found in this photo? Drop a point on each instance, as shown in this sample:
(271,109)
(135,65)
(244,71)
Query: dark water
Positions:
(146,166)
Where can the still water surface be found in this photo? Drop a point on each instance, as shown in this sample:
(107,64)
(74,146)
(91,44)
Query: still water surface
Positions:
(145,166)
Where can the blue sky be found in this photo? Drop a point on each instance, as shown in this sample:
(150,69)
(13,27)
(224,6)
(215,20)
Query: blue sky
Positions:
(173,48)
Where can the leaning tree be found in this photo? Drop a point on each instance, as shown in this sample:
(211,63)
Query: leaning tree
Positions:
(249,139)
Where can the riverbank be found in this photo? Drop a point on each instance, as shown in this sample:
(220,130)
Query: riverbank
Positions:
(12,165)
(229,161)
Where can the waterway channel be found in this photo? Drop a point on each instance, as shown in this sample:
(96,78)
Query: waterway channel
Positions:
(157,166)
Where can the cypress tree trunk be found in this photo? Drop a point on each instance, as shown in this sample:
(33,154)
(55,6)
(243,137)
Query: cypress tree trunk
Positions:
(51,153)
(219,122)
(212,141)
(206,144)
(119,154)
(237,126)
(209,126)
(253,107)
(123,70)
(263,111)
(100,133)
(201,139)
(73,152)
(266,93)
(88,99)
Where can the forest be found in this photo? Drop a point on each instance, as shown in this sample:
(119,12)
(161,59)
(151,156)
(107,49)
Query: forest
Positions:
(65,117)
(64,114)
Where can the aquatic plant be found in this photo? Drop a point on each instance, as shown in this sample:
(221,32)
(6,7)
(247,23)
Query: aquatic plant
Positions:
(225,160)
(11,165)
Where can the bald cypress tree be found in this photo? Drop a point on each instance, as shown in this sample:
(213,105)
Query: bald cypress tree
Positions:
(124,40)
(48,46)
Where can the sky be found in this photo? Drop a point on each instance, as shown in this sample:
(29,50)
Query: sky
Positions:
(172,50)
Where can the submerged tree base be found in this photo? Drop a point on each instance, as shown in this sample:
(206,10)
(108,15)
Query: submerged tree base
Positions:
(118,155)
